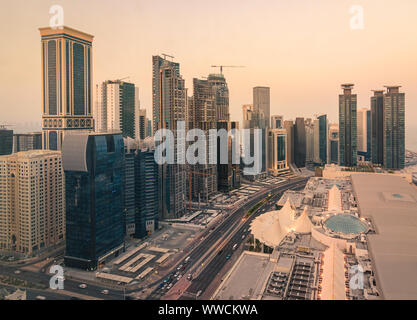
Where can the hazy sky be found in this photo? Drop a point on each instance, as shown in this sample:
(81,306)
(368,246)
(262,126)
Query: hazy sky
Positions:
(302,49)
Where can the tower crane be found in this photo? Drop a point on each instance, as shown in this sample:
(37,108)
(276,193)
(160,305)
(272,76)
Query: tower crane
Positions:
(221,67)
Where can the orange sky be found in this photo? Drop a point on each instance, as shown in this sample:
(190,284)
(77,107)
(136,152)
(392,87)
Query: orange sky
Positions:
(302,49)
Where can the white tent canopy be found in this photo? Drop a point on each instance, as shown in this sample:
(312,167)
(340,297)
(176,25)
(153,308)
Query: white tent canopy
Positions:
(272,227)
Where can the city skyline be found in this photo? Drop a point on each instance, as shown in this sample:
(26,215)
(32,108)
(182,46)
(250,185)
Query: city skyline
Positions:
(291,65)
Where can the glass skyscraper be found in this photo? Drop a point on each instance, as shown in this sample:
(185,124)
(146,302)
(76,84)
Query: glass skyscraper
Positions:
(377,127)
(6,141)
(95,230)
(394,128)
(347,127)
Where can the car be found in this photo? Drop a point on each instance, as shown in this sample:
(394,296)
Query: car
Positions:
(190,277)
(170,286)
(40,298)
(199,293)
(82,286)
(105,291)
(17,271)
(228,257)
(179,268)
(179,277)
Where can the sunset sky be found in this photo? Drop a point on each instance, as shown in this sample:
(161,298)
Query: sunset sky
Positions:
(302,49)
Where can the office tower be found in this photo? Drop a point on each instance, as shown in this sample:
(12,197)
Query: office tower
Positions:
(116,109)
(147,191)
(6,141)
(377,127)
(27,141)
(277,122)
(234,125)
(138,116)
(347,127)
(220,91)
(289,127)
(277,146)
(261,102)
(169,101)
(32,202)
(142,123)
(320,139)
(94,170)
(333,150)
(149,128)
(202,115)
(364,134)
(311,139)
(67,83)
(129,192)
(394,128)
(299,143)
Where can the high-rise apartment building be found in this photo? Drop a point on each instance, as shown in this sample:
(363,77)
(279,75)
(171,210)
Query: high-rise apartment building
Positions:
(347,127)
(377,127)
(169,99)
(220,91)
(116,110)
(311,140)
(94,176)
(32,201)
(27,141)
(67,84)
(394,128)
(261,103)
(203,116)
(142,124)
(6,141)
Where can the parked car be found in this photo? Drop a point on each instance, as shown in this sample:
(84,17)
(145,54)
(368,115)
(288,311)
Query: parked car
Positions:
(82,286)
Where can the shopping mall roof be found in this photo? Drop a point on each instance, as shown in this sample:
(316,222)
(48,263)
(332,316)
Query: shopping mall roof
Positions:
(391,202)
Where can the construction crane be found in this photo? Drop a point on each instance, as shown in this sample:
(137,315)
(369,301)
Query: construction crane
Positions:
(121,79)
(190,175)
(167,55)
(221,67)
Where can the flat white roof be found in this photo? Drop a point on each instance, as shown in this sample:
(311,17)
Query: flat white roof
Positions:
(391,202)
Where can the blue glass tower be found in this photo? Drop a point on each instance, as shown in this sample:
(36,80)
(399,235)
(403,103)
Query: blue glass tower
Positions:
(93,165)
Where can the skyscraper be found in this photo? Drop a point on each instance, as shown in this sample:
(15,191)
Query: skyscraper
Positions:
(377,127)
(67,84)
(261,103)
(169,98)
(32,201)
(203,116)
(27,141)
(277,155)
(320,139)
(142,124)
(347,127)
(289,127)
(277,122)
(6,141)
(220,91)
(394,128)
(94,170)
(116,107)
(364,134)
(299,143)
(333,150)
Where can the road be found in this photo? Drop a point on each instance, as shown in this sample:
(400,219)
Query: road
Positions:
(208,245)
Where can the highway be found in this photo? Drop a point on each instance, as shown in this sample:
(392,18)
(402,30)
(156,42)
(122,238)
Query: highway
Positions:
(207,245)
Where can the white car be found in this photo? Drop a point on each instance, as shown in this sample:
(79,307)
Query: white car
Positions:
(105,291)
(82,286)
(40,298)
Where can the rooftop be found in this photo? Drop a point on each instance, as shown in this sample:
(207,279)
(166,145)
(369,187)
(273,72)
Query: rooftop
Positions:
(391,202)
